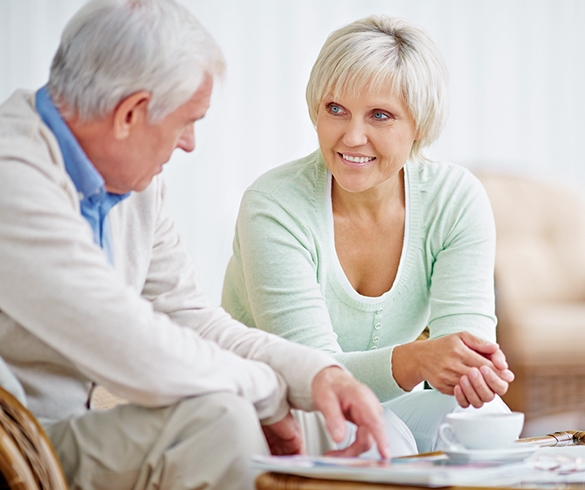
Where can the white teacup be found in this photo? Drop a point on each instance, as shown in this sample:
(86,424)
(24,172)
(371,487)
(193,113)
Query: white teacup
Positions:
(476,430)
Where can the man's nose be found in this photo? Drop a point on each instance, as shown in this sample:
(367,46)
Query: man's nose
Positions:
(187,140)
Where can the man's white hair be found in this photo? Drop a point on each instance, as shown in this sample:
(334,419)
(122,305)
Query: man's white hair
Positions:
(111,49)
(383,54)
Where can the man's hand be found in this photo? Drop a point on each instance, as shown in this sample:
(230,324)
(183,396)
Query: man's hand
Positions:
(339,397)
(284,437)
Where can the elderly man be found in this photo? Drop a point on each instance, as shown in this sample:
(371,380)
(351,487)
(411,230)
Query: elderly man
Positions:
(96,287)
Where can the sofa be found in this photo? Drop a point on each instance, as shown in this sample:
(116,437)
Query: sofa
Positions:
(540,290)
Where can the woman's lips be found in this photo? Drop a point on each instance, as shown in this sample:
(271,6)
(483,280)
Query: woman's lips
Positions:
(356,160)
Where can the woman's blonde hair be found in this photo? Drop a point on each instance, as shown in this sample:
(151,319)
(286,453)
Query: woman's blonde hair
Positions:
(385,54)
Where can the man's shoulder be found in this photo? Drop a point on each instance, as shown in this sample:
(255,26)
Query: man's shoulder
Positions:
(19,108)
(21,129)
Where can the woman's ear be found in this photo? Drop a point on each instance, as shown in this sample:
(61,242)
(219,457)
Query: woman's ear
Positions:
(130,113)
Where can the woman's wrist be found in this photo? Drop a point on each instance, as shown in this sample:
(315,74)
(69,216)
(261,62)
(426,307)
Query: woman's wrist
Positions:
(406,364)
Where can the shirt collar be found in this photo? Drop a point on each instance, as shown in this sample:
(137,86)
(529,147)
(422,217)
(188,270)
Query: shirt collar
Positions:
(88,182)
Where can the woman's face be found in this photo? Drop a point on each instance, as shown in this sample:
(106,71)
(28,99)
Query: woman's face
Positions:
(365,140)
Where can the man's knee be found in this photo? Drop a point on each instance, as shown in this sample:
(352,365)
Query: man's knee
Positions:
(231,418)
(199,442)
(219,442)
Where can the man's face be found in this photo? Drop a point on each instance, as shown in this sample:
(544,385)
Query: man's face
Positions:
(150,145)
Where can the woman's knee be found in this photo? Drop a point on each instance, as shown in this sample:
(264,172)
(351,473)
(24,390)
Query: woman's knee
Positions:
(497,405)
(423,412)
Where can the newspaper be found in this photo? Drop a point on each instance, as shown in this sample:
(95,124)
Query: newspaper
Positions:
(430,472)
(546,466)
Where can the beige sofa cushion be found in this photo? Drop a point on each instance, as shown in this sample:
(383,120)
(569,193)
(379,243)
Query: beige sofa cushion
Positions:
(549,333)
(540,239)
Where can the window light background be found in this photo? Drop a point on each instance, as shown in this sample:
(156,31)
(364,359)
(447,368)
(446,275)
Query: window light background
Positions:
(517,71)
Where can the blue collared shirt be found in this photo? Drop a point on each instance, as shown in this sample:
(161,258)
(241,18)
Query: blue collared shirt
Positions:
(95,201)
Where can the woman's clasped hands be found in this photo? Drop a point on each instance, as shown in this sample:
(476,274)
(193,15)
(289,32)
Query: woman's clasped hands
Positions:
(461,364)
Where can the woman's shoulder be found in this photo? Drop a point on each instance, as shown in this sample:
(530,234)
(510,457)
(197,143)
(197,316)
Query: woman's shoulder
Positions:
(293,195)
(294,180)
(434,172)
(444,179)
(447,198)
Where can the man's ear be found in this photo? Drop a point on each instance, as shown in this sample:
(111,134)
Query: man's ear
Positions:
(132,111)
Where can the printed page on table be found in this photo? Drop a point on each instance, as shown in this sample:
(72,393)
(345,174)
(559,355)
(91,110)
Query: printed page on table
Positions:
(435,471)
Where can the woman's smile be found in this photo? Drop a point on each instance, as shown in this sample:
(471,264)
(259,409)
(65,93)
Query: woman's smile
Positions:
(356,160)
(365,139)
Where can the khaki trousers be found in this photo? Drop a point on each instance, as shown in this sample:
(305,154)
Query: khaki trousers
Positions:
(203,442)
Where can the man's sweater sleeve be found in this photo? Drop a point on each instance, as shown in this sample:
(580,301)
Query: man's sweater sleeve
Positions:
(172,287)
(62,290)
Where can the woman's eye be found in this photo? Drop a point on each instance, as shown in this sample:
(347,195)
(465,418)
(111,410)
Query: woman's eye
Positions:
(334,109)
(381,116)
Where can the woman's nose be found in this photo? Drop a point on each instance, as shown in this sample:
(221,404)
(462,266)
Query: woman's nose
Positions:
(355,134)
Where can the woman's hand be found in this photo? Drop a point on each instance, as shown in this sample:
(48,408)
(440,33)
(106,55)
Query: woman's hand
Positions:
(481,384)
(460,364)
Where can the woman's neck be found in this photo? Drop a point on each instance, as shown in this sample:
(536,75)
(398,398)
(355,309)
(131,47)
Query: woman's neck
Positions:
(371,205)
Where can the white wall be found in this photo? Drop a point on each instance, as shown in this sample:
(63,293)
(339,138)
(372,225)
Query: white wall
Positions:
(517,83)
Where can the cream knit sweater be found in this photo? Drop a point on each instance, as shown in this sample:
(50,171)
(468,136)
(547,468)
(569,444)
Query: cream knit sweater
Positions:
(144,330)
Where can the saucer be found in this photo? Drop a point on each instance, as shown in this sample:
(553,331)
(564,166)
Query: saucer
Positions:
(512,454)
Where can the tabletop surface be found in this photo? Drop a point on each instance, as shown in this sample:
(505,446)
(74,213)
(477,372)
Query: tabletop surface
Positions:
(281,481)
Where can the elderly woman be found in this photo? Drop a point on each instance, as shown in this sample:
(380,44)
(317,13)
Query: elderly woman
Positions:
(356,248)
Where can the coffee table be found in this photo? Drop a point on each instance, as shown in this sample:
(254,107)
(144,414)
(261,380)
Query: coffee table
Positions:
(280,481)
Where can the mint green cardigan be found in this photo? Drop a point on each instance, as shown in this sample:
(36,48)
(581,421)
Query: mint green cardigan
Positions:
(284,276)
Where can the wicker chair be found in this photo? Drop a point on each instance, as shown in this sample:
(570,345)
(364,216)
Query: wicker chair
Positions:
(27,458)
(540,291)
